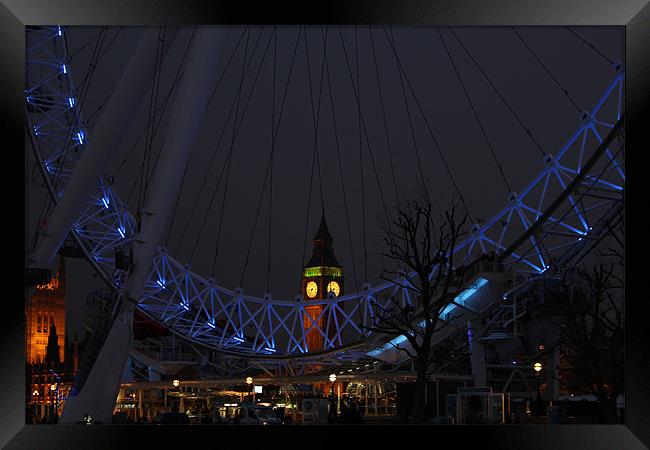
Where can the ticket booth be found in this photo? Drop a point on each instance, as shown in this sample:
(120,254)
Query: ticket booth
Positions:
(479,405)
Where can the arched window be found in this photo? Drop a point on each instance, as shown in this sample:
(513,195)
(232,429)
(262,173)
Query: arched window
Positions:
(38,322)
(44,325)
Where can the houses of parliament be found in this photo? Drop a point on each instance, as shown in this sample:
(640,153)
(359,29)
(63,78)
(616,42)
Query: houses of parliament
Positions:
(51,359)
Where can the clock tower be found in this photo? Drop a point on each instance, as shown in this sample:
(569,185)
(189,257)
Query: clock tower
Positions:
(320,276)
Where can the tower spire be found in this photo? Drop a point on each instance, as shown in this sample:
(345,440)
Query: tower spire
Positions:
(323,252)
(52,349)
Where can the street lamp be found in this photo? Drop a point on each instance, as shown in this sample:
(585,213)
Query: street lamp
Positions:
(537,367)
(176,383)
(35,400)
(55,390)
(332,380)
(249,382)
(332,412)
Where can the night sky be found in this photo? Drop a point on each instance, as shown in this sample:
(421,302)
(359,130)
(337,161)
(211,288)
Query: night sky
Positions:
(531,92)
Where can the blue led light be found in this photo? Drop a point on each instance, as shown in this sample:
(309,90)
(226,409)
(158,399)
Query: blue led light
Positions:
(80,136)
(184,306)
(211,324)
(120,230)
(161,283)
(71,101)
(59,31)
(238,339)
(272,350)
(465,295)
(460,299)
(105,201)
(64,68)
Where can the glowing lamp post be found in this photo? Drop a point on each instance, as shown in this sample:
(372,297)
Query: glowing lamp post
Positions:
(35,400)
(537,367)
(332,399)
(176,383)
(332,380)
(249,382)
(54,388)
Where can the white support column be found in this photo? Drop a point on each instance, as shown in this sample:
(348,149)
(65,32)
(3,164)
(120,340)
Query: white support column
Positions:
(190,105)
(97,398)
(100,390)
(477,353)
(107,135)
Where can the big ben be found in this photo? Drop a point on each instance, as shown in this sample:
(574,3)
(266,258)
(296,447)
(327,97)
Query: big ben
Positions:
(320,276)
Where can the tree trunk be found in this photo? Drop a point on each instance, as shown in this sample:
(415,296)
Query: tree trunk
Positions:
(420,385)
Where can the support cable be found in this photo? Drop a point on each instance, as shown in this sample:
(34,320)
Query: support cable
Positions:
(532,52)
(411,125)
(471,104)
(268,260)
(214,152)
(155,95)
(234,136)
(269,168)
(365,132)
(426,121)
(148,147)
(236,128)
(383,114)
(315,112)
(363,194)
(168,97)
(101,55)
(592,46)
(338,151)
(315,115)
(478,66)
(227,162)
(216,85)
(83,47)
(311,184)
(163,106)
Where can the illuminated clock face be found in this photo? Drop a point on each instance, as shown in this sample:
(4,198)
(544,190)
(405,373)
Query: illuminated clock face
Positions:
(312,289)
(333,286)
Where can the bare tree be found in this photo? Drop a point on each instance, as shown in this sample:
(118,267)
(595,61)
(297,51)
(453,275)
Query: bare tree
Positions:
(593,331)
(423,250)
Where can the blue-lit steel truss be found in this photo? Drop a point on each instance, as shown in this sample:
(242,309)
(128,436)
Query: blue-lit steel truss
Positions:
(231,321)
